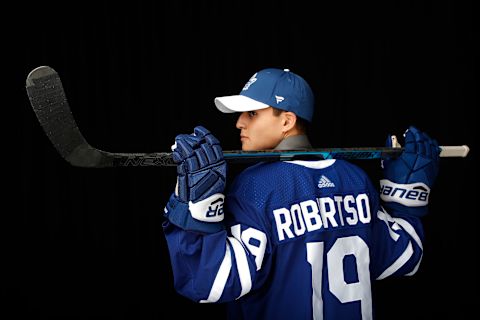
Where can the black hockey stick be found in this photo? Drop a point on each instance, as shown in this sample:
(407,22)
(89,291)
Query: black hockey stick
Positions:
(49,102)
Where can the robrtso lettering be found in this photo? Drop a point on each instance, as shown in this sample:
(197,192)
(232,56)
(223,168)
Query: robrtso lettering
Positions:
(325,212)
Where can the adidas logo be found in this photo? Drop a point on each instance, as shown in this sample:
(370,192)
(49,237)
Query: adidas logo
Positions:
(324,182)
(279,99)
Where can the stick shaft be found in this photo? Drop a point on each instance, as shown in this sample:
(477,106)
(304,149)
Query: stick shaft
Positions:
(107,159)
(238,156)
(339,153)
(454,151)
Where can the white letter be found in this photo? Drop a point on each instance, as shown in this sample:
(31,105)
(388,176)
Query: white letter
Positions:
(339,201)
(298,224)
(310,215)
(354,218)
(327,215)
(364,215)
(283,226)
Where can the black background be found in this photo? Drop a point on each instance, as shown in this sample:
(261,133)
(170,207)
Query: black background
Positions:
(81,243)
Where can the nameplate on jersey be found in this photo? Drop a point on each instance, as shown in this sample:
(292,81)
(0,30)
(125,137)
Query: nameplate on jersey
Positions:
(331,212)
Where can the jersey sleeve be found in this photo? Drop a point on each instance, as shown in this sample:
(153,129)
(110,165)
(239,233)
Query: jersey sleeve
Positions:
(397,242)
(226,265)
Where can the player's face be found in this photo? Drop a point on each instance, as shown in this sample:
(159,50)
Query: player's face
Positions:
(260,129)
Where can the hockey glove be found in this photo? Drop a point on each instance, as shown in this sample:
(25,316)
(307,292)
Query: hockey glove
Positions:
(197,203)
(408,178)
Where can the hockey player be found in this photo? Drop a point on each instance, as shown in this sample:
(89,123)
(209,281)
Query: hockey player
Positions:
(296,239)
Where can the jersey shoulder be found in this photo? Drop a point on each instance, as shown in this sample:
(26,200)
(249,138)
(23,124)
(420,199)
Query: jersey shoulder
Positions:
(274,171)
(253,176)
(351,170)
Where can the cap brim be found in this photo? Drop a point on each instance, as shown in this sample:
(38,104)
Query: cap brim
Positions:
(238,103)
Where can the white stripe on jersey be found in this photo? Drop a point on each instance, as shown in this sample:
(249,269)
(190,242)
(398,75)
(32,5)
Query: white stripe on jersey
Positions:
(242,266)
(399,223)
(407,254)
(221,278)
(411,231)
(385,217)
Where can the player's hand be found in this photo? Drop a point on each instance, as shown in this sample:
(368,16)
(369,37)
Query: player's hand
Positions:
(200,165)
(408,178)
(201,178)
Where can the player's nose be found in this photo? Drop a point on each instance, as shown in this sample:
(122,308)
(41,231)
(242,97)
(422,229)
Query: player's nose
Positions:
(241,121)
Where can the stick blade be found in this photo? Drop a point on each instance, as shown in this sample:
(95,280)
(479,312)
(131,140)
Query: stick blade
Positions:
(49,102)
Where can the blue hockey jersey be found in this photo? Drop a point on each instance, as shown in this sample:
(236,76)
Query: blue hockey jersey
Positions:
(304,240)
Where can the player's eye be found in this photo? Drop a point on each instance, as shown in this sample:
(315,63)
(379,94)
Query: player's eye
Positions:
(252,113)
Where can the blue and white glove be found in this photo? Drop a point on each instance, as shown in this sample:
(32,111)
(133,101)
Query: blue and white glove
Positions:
(197,203)
(408,178)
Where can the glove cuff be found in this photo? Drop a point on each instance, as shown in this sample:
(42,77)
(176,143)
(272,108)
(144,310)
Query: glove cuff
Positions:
(178,213)
(410,198)
(410,195)
(209,209)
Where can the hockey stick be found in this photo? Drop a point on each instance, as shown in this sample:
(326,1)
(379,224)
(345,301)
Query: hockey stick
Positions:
(49,102)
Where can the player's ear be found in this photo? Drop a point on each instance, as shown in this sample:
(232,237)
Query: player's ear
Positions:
(289,120)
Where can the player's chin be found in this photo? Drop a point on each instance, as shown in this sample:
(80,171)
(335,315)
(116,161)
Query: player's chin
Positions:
(247,146)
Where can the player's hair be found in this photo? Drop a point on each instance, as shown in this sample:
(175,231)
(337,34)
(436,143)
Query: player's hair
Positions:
(301,124)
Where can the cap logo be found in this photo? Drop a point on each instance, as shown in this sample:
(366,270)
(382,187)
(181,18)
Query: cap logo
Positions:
(279,99)
(250,82)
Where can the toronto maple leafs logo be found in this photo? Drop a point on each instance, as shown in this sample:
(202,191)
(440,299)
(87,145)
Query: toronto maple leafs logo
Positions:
(250,82)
